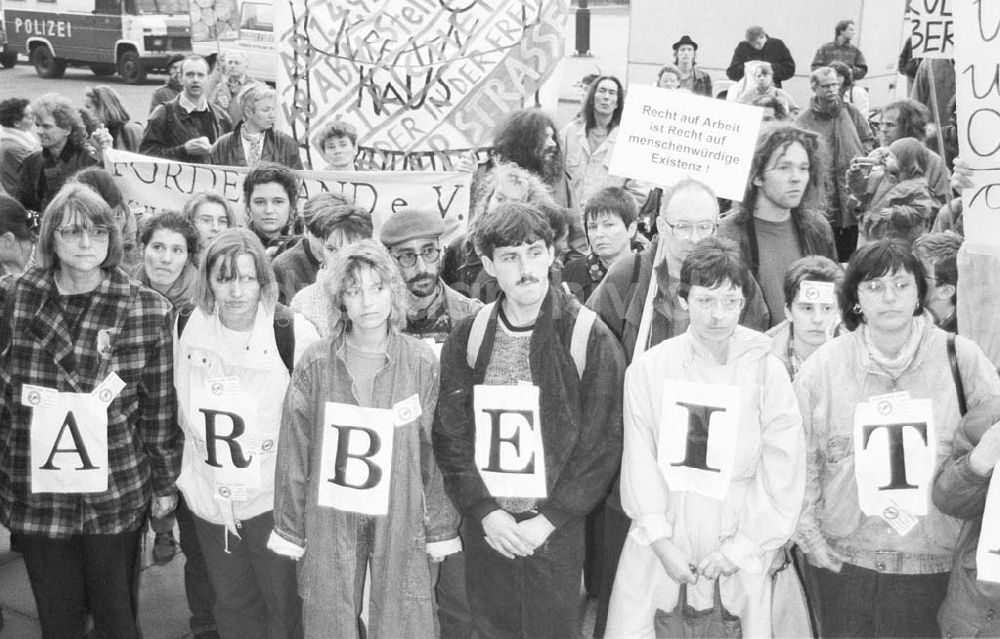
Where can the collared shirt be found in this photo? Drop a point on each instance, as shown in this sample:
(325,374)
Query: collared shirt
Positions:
(190,106)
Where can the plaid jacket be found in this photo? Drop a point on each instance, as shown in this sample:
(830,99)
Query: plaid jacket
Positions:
(127,329)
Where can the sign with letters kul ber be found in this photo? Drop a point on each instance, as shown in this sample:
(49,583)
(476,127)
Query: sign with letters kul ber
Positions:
(510,454)
(356,467)
(698,432)
(895,453)
(432,77)
(932,32)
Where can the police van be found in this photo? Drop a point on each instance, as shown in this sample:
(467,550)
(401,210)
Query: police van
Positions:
(130,37)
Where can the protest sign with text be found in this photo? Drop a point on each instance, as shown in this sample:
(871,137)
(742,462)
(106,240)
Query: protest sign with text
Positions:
(421,80)
(668,135)
(932,29)
(159,184)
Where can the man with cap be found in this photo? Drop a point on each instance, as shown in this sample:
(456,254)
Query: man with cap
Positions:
(413,238)
(693,79)
(172,86)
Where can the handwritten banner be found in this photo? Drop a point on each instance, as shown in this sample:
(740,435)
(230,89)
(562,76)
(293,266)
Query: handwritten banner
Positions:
(159,185)
(668,135)
(932,29)
(416,77)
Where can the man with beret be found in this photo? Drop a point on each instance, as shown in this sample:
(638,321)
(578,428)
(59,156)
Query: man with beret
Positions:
(413,238)
(693,79)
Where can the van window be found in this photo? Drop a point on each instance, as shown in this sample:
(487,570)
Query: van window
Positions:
(257,17)
(170,7)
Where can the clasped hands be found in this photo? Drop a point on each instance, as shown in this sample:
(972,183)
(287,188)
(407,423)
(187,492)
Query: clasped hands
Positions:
(681,569)
(511,538)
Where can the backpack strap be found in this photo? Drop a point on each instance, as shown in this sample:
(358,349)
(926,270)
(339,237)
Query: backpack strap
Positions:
(183,315)
(284,335)
(477,334)
(581,336)
(956,375)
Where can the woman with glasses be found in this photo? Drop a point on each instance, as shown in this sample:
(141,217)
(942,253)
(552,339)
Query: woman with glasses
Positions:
(211,214)
(338,225)
(89,439)
(713,468)
(880,408)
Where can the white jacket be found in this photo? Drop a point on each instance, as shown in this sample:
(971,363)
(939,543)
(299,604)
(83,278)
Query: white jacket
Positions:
(761,506)
(254,379)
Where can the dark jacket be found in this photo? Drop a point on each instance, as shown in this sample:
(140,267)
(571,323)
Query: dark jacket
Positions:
(42,175)
(170,126)
(813,232)
(278,147)
(295,269)
(970,607)
(581,418)
(621,296)
(773,51)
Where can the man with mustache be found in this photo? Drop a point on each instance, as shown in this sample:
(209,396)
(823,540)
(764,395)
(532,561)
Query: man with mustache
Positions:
(773,226)
(185,128)
(413,238)
(527,432)
(254,139)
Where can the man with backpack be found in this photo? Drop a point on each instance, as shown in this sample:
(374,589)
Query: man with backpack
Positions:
(527,432)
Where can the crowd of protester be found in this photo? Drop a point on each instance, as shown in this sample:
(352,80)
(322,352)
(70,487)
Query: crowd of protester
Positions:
(832,282)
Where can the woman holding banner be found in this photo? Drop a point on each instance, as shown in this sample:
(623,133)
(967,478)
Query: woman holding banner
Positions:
(234,352)
(880,410)
(365,387)
(87,432)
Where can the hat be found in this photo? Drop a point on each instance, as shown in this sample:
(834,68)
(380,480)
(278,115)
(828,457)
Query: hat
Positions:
(685,39)
(408,224)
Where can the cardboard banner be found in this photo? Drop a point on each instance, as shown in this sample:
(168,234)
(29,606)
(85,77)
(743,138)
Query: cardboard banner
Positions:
(158,185)
(356,466)
(895,450)
(510,453)
(227,436)
(669,135)
(698,433)
(424,77)
(932,29)
(69,440)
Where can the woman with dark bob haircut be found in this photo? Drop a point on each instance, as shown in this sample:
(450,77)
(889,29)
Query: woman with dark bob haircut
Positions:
(88,350)
(880,407)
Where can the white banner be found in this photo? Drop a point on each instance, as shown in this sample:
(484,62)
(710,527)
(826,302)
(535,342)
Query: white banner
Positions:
(932,30)
(669,135)
(69,440)
(227,436)
(418,79)
(698,432)
(895,450)
(988,549)
(356,466)
(158,184)
(510,453)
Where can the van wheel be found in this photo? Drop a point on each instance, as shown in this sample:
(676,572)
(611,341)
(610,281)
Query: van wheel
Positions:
(46,65)
(101,70)
(131,68)
(8,59)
